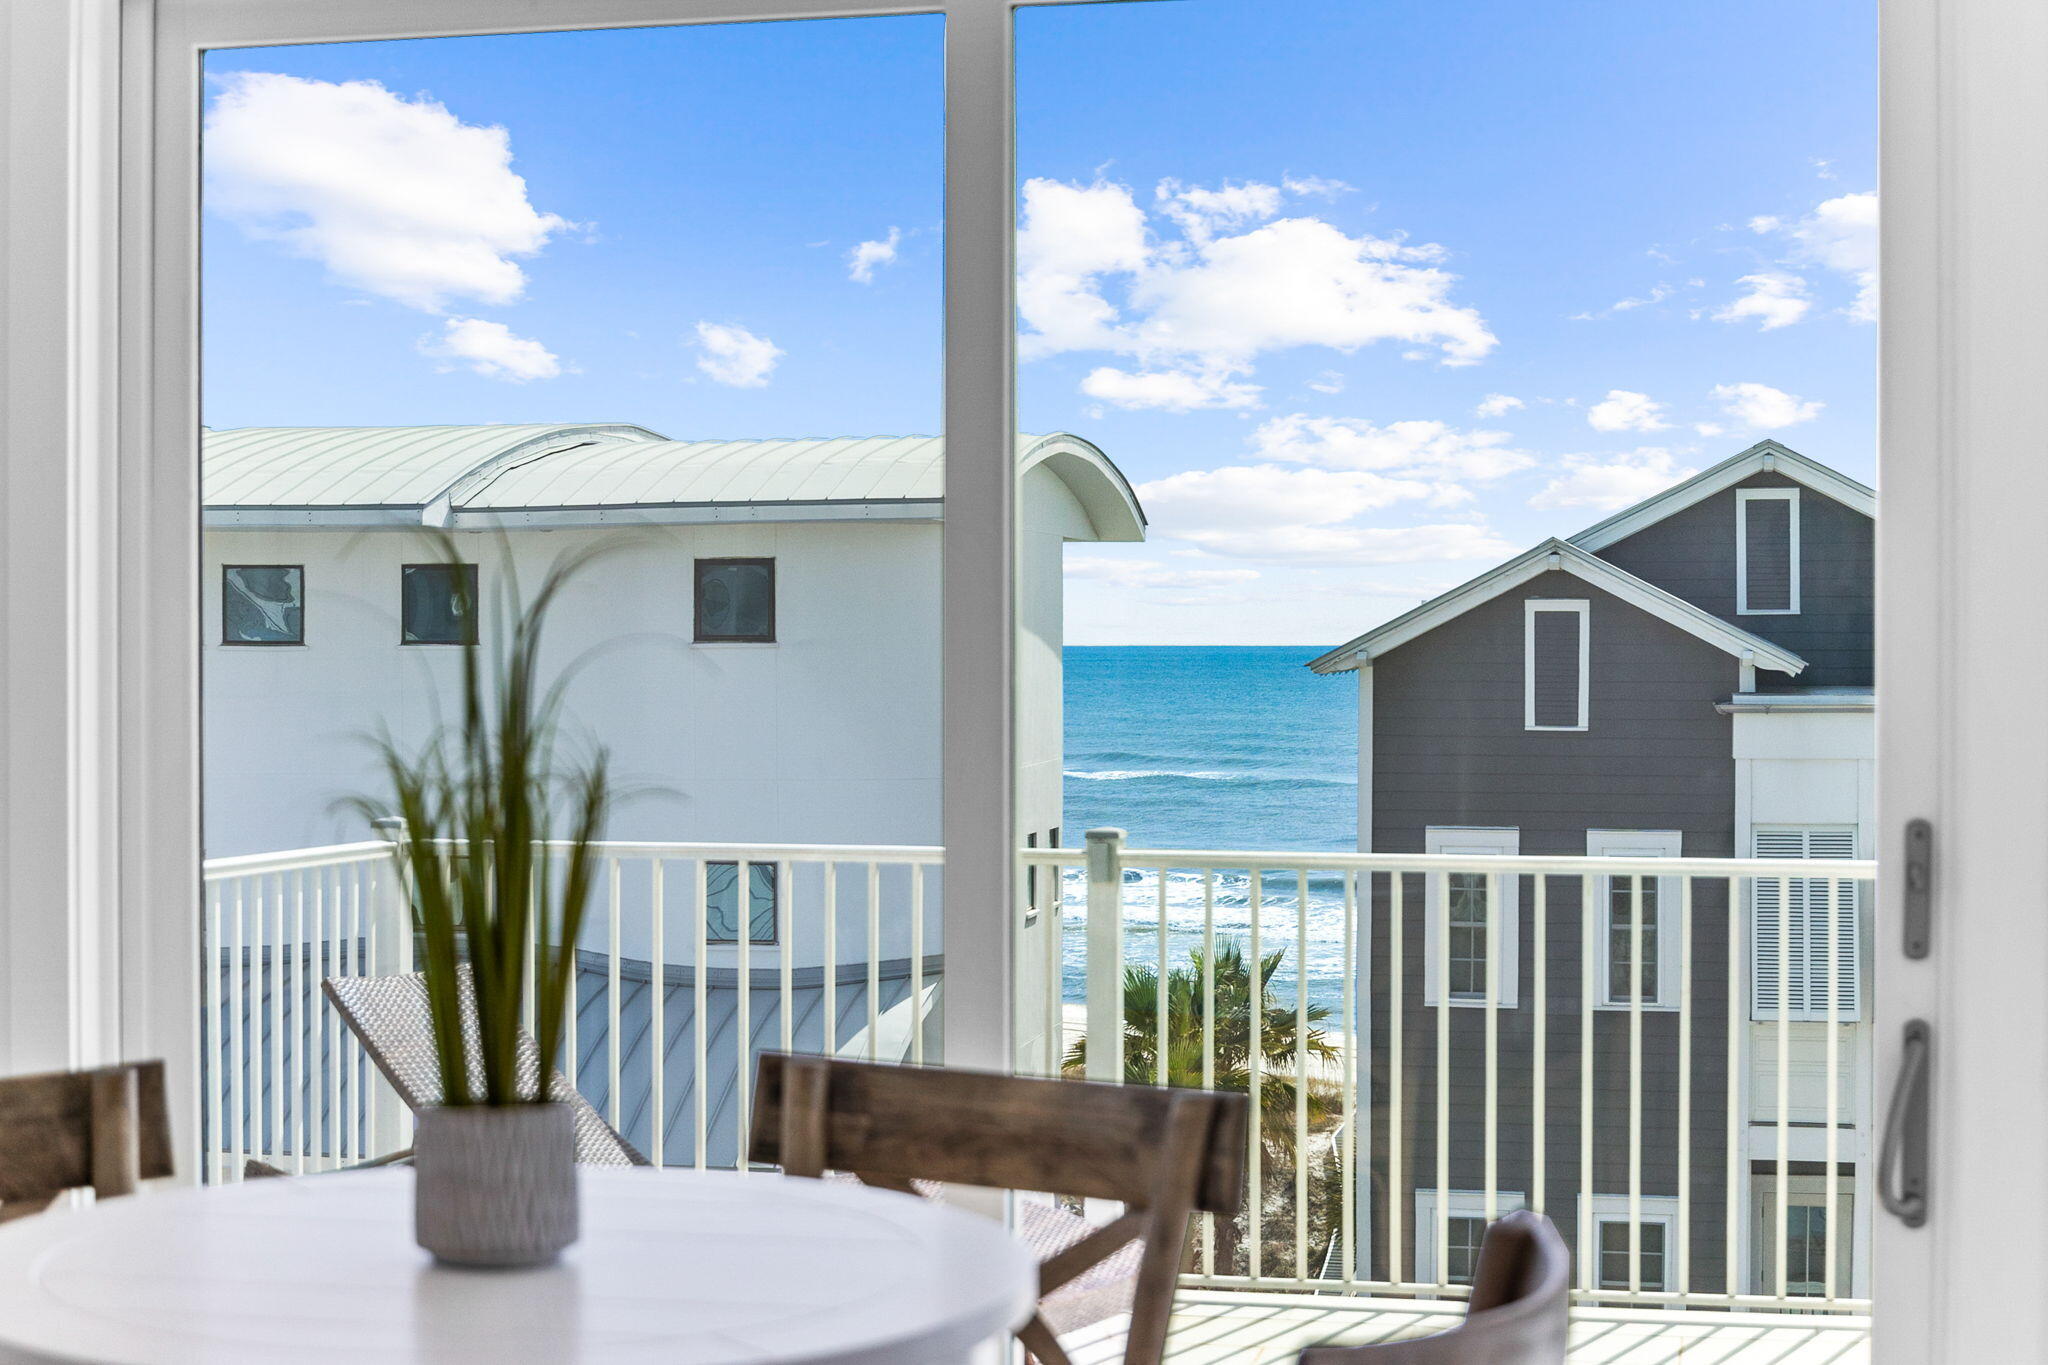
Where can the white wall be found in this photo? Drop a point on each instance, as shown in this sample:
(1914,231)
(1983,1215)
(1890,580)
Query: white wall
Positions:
(829,735)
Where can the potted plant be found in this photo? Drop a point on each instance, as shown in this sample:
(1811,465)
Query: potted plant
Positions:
(494,842)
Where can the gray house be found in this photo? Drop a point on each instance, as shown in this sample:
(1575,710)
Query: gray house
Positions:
(1691,677)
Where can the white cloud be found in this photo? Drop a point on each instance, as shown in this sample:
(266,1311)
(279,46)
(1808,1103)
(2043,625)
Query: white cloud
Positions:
(1776,298)
(862,261)
(1622,410)
(1841,234)
(1304,511)
(1708,428)
(1497,405)
(1202,212)
(1356,544)
(1168,390)
(396,197)
(1760,406)
(1219,280)
(1413,449)
(735,356)
(1071,238)
(1329,381)
(490,349)
(1609,481)
(1658,293)
(1138,573)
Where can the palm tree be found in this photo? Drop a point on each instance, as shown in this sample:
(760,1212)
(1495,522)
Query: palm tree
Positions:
(1282,1054)
(1187,1023)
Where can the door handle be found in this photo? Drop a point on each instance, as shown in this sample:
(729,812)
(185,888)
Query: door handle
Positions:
(1902,1156)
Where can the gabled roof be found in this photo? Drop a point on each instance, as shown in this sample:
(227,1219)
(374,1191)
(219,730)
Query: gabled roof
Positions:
(1552,555)
(1765,457)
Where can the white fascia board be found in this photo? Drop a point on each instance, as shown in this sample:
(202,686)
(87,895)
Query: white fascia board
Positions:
(1561,555)
(696,514)
(1763,457)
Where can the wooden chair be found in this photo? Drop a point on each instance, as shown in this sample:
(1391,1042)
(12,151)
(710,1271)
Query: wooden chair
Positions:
(107,1129)
(1164,1154)
(1516,1316)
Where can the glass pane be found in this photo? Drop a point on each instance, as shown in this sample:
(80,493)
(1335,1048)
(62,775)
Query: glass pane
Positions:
(1321,281)
(263,604)
(491,321)
(439,604)
(736,599)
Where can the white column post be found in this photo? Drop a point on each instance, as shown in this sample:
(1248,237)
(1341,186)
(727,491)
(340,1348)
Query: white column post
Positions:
(1105,955)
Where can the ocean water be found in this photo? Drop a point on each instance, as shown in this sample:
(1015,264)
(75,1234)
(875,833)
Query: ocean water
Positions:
(1213,747)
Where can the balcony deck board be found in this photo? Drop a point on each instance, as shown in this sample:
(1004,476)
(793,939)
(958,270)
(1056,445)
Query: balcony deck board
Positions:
(1212,1327)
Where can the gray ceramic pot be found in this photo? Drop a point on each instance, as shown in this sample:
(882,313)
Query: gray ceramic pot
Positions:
(495,1186)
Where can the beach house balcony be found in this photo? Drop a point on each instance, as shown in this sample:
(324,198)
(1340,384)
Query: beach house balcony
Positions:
(1666,1056)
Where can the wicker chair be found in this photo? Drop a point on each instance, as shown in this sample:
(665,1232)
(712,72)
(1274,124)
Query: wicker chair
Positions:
(389,1014)
(1516,1316)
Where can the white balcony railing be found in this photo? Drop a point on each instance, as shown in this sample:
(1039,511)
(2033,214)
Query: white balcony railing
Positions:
(1684,1143)
(1700,1148)
(834,956)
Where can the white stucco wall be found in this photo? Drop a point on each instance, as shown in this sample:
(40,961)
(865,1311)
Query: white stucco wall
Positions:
(829,735)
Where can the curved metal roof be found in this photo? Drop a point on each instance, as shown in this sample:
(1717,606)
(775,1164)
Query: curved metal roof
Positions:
(592,474)
(364,467)
(675,473)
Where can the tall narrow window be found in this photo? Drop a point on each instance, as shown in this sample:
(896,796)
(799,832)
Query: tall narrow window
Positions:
(735,601)
(1767,551)
(1621,900)
(438,604)
(1795,957)
(262,604)
(1555,657)
(1473,914)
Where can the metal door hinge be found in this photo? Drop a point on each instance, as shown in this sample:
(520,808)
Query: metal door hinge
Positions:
(1919,916)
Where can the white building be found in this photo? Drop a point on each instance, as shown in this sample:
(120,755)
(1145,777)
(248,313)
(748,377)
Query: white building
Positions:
(759,644)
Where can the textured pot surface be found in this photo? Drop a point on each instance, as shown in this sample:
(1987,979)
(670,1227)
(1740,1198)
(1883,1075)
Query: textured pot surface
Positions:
(495,1186)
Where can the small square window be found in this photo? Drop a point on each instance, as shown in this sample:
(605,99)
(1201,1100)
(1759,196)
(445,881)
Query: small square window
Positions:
(1461,1249)
(735,601)
(438,604)
(1614,1255)
(721,902)
(263,604)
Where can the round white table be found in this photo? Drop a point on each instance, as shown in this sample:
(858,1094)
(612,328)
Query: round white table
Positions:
(674,1266)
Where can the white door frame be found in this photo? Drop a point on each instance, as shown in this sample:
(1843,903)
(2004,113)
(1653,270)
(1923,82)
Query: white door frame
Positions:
(98,749)
(1962,646)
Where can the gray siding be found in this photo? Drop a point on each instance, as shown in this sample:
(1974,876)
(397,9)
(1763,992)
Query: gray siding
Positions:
(1691,554)
(1449,748)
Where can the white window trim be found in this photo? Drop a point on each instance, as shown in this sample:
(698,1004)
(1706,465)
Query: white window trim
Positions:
(1476,842)
(1640,843)
(1743,498)
(1581,607)
(1613,1208)
(1461,1204)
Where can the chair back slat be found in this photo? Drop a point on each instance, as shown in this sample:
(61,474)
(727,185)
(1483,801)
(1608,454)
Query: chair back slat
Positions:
(1517,1315)
(391,1017)
(1164,1154)
(1005,1132)
(106,1130)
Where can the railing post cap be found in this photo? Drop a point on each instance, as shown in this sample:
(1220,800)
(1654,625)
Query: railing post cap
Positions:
(1106,835)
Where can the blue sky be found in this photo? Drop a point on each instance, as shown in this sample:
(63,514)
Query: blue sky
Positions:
(1276,261)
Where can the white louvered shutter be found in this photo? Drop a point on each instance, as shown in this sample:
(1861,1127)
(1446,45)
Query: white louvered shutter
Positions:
(1789,941)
